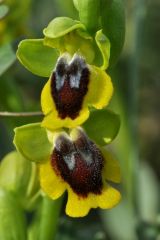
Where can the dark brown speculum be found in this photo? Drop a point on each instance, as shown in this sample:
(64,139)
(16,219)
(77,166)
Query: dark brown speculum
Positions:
(69,85)
(79,163)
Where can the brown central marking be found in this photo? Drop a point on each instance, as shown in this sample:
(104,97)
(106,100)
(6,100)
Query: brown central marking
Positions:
(69,85)
(79,163)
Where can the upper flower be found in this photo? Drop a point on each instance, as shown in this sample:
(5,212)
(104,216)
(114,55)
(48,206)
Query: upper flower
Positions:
(73,86)
(80,166)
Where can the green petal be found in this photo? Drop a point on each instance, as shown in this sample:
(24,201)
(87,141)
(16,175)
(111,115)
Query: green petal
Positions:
(36,57)
(32,142)
(102,126)
(60,26)
(104,46)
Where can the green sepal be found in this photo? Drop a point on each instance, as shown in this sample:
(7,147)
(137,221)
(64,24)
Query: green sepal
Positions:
(60,26)
(102,126)
(32,142)
(113,25)
(12,219)
(36,57)
(103,44)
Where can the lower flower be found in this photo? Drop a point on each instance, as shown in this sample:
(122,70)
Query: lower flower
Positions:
(80,167)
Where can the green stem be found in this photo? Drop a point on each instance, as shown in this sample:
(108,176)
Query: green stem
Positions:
(49,218)
(20,114)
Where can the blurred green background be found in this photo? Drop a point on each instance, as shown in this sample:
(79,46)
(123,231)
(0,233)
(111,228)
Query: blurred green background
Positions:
(136,78)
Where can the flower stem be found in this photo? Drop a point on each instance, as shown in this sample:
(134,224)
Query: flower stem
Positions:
(49,218)
(20,114)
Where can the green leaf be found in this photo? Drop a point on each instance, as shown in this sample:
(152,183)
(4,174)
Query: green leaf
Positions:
(3,11)
(104,46)
(36,57)
(113,24)
(102,126)
(12,219)
(60,26)
(7,57)
(32,142)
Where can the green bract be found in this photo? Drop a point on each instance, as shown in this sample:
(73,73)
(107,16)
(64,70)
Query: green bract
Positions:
(102,126)
(113,25)
(89,13)
(32,141)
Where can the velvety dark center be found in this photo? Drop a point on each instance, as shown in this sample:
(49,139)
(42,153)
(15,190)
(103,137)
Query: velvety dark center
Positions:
(69,85)
(79,163)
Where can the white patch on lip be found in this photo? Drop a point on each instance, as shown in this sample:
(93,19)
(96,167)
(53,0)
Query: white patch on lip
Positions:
(70,160)
(87,156)
(75,80)
(79,62)
(65,62)
(59,81)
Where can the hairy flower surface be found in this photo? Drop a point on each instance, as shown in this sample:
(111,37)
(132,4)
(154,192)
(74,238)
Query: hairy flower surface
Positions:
(79,166)
(72,88)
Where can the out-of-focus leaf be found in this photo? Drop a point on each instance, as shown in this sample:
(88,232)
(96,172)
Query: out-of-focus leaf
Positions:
(32,142)
(148,194)
(7,57)
(3,11)
(102,126)
(36,57)
(12,220)
(120,222)
(60,26)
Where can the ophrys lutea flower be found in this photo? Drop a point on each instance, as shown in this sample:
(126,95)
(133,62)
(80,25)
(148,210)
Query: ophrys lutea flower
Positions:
(79,166)
(73,87)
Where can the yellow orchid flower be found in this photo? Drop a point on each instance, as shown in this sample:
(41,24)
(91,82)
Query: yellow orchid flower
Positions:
(73,86)
(79,166)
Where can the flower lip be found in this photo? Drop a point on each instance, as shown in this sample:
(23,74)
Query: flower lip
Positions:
(69,85)
(79,163)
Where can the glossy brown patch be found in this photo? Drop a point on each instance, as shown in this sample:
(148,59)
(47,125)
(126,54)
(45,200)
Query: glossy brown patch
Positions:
(69,85)
(79,163)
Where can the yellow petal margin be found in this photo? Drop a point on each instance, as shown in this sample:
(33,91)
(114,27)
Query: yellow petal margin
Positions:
(52,121)
(79,206)
(47,102)
(50,183)
(100,88)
